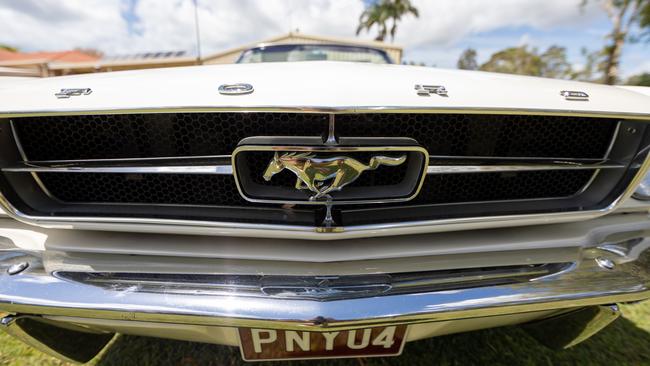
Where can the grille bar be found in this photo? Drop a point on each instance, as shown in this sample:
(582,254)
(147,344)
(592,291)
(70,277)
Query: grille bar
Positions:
(459,169)
(161,166)
(177,166)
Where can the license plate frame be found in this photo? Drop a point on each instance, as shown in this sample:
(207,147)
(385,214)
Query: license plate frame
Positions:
(256,344)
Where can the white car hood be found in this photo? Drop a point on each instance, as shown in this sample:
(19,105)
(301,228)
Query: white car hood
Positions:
(315,85)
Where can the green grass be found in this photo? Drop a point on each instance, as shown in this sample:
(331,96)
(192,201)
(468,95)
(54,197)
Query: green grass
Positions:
(625,342)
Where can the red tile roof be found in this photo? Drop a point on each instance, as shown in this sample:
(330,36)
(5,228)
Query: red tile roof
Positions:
(62,56)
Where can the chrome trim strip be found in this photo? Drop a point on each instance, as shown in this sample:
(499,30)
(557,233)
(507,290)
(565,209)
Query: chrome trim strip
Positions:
(455,169)
(617,131)
(159,165)
(190,169)
(331,131)
(128,160)
(104,166)
(21,152)
(310,287)
(583,285)
(327,109)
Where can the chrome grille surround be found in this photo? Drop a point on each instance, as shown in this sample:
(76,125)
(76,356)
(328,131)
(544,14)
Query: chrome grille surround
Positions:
(638,168)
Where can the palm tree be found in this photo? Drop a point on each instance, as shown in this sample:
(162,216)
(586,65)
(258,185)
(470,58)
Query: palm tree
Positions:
(398,9)
(380,12)
(375,14)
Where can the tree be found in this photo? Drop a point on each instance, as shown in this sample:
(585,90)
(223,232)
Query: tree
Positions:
(624,16)
(380,12)
(467,60)
(640,79)
(555,64)
(515,60)
(590,68)
(371,16)
(523,61)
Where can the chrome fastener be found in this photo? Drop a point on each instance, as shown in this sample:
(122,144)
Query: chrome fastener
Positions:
(7,320)
(605,263)
(17,268)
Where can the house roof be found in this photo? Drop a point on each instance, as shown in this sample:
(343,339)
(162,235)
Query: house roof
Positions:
(7,57)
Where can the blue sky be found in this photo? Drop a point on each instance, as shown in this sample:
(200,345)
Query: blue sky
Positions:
(589,34)
(445,27)
(635,57)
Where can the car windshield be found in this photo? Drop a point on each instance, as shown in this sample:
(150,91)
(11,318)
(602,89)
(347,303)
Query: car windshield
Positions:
(292,53)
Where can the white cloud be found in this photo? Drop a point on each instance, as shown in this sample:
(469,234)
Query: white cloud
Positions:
(61,24)
(169,24)
(446,22)
(438,36)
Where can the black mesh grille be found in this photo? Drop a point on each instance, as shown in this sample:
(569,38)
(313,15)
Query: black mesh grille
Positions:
(488,135)
(196,134)
(453,188)
(155,135)
(202,134)
(221,190)
(144,188)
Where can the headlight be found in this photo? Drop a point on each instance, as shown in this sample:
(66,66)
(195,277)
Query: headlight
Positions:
(643,191)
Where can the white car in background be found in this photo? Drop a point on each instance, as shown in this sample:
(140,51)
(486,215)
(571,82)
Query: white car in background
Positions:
(318,209)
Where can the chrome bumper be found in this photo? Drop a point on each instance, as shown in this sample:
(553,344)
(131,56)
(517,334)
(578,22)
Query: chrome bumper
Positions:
(591,281)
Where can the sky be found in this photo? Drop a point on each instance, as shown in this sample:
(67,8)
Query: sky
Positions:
(443,30)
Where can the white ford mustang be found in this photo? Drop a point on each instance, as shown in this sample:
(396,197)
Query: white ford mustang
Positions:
(318,209)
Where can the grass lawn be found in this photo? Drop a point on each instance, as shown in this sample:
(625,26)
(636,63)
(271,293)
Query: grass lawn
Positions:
(625,342)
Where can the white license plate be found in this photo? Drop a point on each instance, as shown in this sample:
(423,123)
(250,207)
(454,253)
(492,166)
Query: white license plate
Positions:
(271,344)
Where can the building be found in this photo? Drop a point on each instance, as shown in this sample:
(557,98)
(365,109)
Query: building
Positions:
(80,62)
(38,63)
(150,60)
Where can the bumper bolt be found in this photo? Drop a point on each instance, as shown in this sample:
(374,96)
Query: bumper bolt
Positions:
(605,263)
(17,268)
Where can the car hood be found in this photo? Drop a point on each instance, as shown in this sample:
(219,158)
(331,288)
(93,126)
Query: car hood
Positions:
(336,86)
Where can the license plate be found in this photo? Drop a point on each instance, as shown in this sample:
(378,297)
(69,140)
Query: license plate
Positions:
(271,344)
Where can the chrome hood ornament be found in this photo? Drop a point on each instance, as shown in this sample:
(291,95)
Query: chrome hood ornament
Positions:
(314,173)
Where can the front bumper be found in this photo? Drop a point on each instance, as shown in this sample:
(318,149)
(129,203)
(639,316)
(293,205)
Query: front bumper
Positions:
(624,242)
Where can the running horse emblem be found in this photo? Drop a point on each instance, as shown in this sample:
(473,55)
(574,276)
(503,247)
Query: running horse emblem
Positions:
(313,173)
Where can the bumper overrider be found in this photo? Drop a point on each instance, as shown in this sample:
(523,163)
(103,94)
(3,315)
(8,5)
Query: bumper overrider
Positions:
(615,268)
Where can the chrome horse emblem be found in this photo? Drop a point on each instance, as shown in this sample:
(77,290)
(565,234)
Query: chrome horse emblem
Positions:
(313,173)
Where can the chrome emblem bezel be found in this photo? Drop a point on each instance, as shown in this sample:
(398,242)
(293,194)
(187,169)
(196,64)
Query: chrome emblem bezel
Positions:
(315,150)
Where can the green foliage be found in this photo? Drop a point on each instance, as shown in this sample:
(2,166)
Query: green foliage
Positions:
(8,48)
(555,64)
(523,61)
(644,20)
(515,60)
(640,79)
(625,342)
(592,68)
(380,12)
(630,21)
(467,60)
